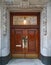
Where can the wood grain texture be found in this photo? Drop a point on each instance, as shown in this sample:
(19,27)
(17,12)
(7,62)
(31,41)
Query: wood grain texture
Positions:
(17,33)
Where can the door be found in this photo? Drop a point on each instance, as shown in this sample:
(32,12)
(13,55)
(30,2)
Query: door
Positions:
(32,44)
(24,39)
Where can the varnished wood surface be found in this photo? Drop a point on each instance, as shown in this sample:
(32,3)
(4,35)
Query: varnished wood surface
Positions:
(18,32)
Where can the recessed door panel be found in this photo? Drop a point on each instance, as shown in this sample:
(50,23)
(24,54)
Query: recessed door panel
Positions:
(31,41)
(18,41)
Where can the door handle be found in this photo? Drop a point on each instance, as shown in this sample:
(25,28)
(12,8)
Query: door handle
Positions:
(26,42)
(23,43)
(18,45)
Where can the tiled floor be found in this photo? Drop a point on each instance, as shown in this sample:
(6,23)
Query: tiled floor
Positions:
(25,62)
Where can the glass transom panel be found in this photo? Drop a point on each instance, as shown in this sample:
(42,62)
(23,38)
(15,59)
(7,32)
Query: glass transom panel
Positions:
(24,20)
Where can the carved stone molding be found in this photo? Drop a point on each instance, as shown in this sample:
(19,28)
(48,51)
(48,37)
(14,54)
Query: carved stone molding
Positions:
(4,21)
(26,3)
(44,20)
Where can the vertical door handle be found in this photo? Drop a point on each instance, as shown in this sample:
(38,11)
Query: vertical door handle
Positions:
(22,43)
(26,41)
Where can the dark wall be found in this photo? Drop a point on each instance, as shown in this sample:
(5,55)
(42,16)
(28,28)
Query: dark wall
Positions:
(5,60)
(45,60)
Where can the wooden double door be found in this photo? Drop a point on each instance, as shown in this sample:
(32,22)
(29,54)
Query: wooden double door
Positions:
(24,40)
(25,43)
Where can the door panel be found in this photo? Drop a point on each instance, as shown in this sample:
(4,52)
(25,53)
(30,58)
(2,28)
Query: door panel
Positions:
(31,41)
(18,41)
